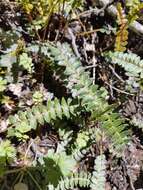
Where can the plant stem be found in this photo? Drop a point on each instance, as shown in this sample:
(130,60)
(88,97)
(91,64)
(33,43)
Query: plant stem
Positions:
(33,180)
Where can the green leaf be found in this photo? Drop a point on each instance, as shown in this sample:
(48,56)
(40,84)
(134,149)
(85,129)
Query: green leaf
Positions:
(65,108)
(26,62)
(3,83)
(50,107)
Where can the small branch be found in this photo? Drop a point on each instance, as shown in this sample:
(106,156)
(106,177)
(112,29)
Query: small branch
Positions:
(87,32)
(121,91)
(113,70)
(34,180)
(74,46)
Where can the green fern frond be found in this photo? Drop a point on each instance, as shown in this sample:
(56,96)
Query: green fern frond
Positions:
(114,128)
(131,62)
(65,137)
(79,154)
(79,83)
(135,6)
(81,145)
(7,152)
(77,80)
(77,180)
(98,176)
(3,83)
(24,121)
(26,62)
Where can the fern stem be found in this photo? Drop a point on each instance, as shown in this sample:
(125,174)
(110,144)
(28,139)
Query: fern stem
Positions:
(37,185)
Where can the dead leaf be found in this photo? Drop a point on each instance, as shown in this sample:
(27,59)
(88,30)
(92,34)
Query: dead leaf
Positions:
(20,186)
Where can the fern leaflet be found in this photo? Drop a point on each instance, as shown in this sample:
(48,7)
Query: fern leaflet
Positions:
(131,62)
(24,121)
(122,34)
(79,179)
(98,176)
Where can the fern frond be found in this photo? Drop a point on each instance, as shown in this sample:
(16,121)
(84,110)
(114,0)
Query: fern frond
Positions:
(79,154)
(80,85)
(114,128)
(66,137)
(135,6)
(81,144)
(131,62)
(95,134)
(7,152)
(3,83)
(79,179)
(77,80)
(122,33)
(98,176)
(24,121)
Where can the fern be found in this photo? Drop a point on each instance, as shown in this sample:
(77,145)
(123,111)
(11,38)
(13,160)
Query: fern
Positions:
(122,34)
(66,137)
(92,99)
(82,179)
(131,62)
(135,6)
(114,128)
(98,176)
(77,80)
(80,85)
(7,152)
(79,179)
(81,145)
(26,62)
(133,65)
(65,164)
(3,83)
(24,121)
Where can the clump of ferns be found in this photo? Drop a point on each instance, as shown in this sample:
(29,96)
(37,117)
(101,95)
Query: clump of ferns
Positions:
(80,85)
(60,164)
(90,96)
(133,66)
(76,79)
(94,180)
